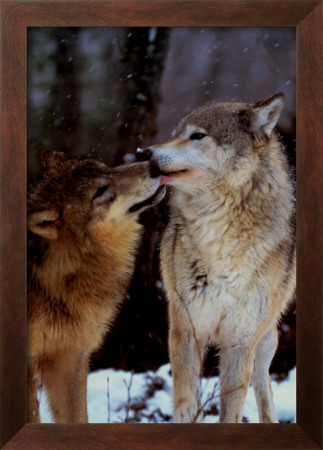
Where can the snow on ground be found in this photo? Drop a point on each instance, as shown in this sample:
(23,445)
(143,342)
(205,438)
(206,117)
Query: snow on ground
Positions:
(117,396)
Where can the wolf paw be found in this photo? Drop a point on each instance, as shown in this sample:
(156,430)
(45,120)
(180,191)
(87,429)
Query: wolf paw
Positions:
(187,414)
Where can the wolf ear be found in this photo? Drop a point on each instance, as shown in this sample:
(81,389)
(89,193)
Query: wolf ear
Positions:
(51,158)
(262,117)
(43,223)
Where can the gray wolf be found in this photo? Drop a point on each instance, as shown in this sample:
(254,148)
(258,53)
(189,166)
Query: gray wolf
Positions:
(82,218)
(228,253)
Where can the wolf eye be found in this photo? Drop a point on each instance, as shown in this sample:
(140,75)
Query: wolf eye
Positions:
(100,191)
(197,136)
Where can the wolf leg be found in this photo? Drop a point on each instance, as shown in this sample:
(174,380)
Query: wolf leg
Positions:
(33,404)
(186,369)
(65,381)
(265,351)
(236,364)
(186,354)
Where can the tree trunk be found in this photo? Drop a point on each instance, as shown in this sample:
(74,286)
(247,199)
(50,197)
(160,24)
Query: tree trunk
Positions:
(65,93)
(141,70)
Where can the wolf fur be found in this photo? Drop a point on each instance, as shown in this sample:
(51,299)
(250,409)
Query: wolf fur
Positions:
(228,253)
(82,218)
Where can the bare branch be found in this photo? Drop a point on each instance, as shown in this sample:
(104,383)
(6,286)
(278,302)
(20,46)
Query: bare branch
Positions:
(108,395)
(128,386)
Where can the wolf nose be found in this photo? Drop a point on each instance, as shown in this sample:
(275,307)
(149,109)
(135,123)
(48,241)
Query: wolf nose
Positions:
(143,154)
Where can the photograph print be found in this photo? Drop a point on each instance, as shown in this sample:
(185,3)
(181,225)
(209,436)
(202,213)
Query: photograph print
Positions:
(161,225)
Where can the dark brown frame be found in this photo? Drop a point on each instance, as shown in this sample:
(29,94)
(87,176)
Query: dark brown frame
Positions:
(16,16)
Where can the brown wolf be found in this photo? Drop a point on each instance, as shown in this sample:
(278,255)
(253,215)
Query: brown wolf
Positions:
(83,219)
(228,253)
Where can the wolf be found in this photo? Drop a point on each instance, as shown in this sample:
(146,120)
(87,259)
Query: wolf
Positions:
(228,252)
(82,219)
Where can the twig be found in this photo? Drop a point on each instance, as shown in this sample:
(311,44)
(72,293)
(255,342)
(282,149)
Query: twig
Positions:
(202,406)
(108,395)
(212,397)
(128,386)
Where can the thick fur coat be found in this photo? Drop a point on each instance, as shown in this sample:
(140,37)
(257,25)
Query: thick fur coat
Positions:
(228,253)
(82,218)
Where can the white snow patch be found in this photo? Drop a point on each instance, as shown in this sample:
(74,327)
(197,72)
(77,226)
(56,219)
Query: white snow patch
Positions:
(111,403)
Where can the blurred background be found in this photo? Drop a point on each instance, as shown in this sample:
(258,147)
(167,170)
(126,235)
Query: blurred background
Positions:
(104,92)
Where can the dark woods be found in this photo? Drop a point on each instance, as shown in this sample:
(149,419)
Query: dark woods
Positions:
(141,69)
(92,92)
(104,92)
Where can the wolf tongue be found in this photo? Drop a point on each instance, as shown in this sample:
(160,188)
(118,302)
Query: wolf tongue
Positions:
(165,179)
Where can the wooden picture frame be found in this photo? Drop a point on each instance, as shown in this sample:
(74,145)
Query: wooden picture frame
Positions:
(16,16)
